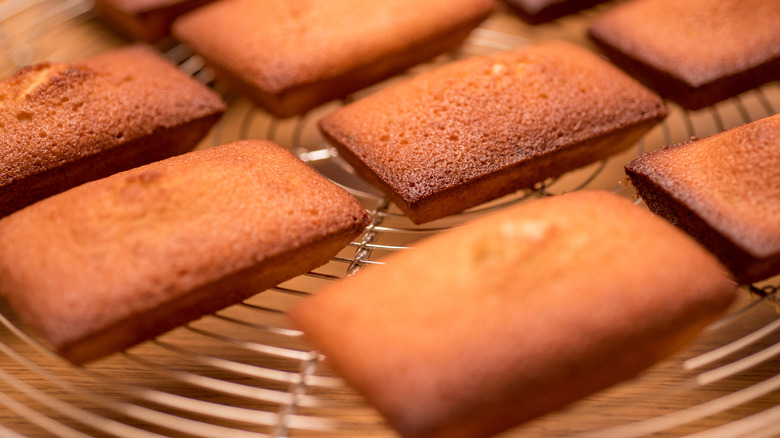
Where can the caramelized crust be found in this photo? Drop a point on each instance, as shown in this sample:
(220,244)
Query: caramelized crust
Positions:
(516,314)
(542,11)
(696,52)
(65,124)
(290,56)
(117,261)
(725,191)
(145,20)
(480,128)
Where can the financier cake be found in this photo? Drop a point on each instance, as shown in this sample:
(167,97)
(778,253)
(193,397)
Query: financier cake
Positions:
(145,20)
(695,52)
(483,127)
(292,56)
(63,124)
(725,191)
(113,262)
(516,314)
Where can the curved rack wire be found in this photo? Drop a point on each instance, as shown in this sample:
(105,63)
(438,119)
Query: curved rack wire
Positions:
(243,372)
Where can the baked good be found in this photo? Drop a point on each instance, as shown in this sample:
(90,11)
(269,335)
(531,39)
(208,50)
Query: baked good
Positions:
(483,127)
(695,52)
(542,11)
(724,190)
(145,20)
(113,262)
(522,312)
(292,56)
(62,124)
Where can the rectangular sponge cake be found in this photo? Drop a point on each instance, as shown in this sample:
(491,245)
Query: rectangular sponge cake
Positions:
(113,262)
(516,314)
(725,191)
(63,124)
(477,129)
(695,52)
(292,56)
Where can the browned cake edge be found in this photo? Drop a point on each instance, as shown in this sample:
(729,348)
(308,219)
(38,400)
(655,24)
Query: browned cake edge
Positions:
(550,12)
(302,98)
(164,143)
(210,298)
(150,25)
(689,96)
(745,266)
(504,181)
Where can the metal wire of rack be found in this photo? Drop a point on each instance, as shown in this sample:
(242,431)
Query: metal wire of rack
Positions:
(244,372)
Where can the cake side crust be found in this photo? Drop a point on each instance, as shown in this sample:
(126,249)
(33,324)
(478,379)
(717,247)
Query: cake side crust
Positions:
(690,96)
(723,191)
(147,21)
(302,54)
(63,114)
(118,252)
(520,117)
(679,214)
(207,299)
(538,12)
(695,52)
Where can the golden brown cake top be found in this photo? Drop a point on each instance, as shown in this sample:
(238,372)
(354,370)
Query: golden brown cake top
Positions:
(53,113)
(731,179)
(140,238)
(279,44)
(592,277)
(695,41)
(469,118)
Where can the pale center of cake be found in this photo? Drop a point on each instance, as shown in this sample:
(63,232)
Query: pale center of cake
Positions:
(512,240)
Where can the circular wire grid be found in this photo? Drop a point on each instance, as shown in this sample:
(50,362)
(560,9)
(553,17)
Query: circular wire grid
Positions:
(243,372)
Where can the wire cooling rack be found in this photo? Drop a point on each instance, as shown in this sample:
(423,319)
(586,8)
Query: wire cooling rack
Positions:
(243,372)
